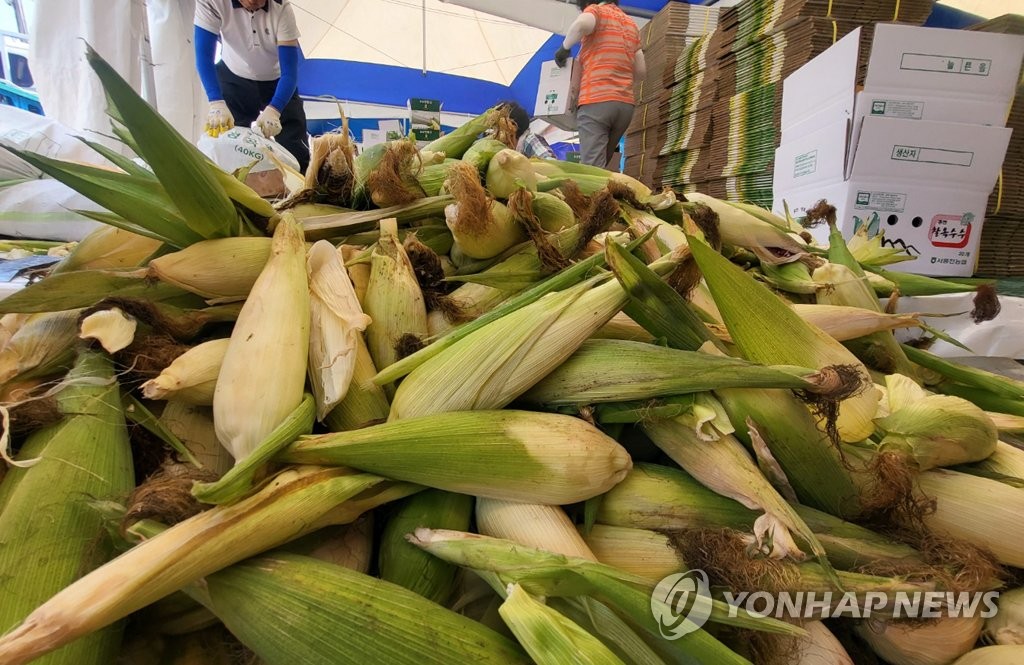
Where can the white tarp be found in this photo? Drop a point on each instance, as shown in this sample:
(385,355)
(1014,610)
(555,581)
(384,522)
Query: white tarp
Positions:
(179,93)
(161,70)
(999,337)
(69,91)
(458,41)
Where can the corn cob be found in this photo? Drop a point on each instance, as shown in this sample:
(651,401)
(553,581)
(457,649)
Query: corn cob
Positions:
(84,456)
(192,376)
(394,301)
(515,455)
(252,398)
(408,566)
(293,503)
(336,321)
(220,270)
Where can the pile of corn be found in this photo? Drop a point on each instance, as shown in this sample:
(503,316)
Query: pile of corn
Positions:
(452,405)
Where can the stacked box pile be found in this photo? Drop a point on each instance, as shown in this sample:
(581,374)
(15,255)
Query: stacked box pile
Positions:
(722,140)
(664,39)
(685,152)
(1002,241)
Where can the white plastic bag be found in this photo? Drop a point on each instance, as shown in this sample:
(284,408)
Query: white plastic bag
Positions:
(241,147)
(43,210)
(29,131)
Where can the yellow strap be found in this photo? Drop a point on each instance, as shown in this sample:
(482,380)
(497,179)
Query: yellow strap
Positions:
(707,15)
(835,27)
(999,192)
(896,12)
(642,156)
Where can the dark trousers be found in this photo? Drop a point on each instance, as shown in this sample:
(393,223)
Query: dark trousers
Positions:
(246,99)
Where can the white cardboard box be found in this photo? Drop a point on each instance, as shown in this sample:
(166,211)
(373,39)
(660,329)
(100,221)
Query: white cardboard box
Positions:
(916,153)
(908,64)
(554,95)
(925,184)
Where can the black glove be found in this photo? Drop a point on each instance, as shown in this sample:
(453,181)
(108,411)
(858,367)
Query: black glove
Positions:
(561,56)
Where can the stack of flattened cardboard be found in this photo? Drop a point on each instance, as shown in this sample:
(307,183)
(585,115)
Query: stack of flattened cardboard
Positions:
(760,43)
(683,154)
(1002,243)
(664,39)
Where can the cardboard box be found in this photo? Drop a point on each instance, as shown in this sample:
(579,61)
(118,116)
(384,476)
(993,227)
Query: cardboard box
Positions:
(555,94)
(907,64)
(914,154)
(924,184)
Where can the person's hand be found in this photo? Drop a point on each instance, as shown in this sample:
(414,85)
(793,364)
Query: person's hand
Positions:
(219,118)
(562,56)
(269,122)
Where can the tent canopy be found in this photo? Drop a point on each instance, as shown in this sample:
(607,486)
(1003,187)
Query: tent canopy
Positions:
(469,54)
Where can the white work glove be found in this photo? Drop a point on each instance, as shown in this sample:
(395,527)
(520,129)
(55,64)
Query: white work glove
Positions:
(219,119)
(268,123)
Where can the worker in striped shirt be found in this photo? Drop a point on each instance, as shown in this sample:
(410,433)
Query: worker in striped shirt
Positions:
(611,59)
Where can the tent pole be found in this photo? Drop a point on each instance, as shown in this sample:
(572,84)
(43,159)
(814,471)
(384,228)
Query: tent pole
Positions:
(424,37)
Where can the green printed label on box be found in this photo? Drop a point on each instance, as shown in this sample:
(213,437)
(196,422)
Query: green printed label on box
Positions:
(805,164)
(421,134)
(882,201)
(895,108)
(432,105)
(926,62)
(924,155)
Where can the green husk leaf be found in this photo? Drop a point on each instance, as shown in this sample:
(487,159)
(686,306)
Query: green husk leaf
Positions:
(240,479)
(141,201)
(656,306)
(85,288)
(182,170)
(136,411)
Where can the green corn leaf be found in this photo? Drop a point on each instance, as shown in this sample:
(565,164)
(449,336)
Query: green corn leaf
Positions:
(136,411)
(141,201)
(122,223)
(119,160)
(184,172)
(85,288)
(655,305)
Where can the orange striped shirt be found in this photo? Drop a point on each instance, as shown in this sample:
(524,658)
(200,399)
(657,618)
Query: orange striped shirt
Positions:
(607,56)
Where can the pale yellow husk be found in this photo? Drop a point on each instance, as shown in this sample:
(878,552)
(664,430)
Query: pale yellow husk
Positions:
(112,328)
(336,324)
(192,376)
(936,642)
(263,374)
(532,525)
(393,301)
(1007,626)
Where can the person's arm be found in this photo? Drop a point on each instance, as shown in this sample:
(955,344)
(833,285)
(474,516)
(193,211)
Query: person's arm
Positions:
(639,66)
(288,55)
(584,25)
(269,120)
(205,43)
